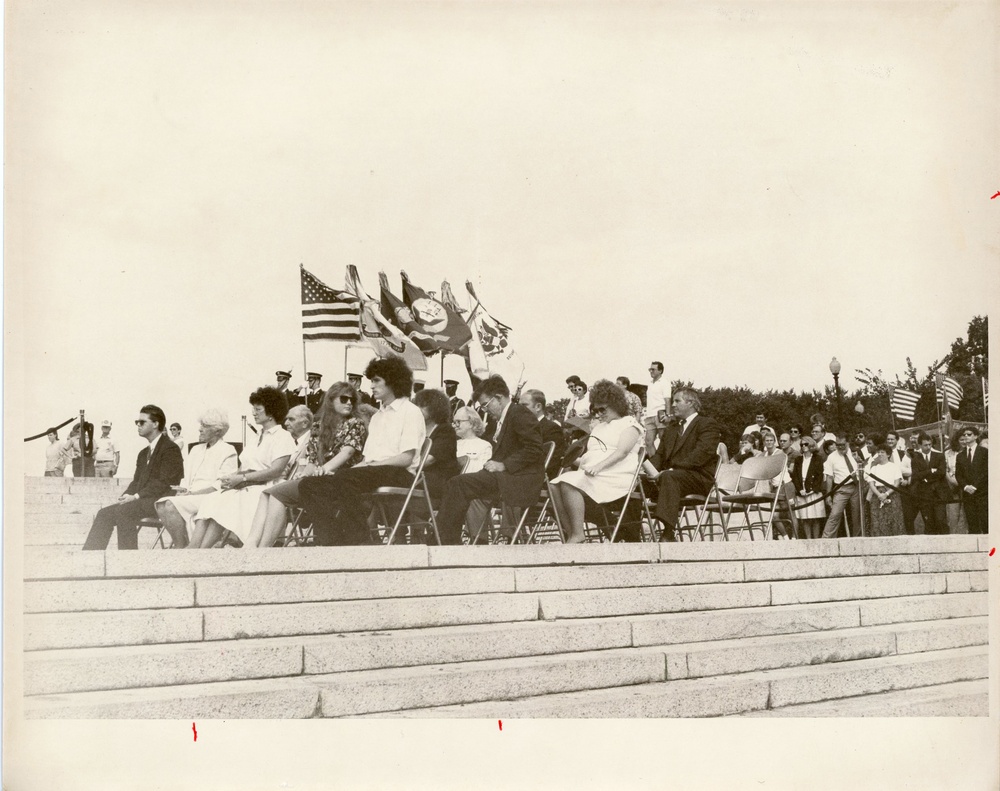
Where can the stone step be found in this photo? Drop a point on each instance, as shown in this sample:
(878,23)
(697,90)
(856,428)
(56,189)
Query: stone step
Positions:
(173,625)
(344,694)
(84,669)
(728,695)
(53,596)
(67,518)
(59,671)
(88,498)
(41,510)
(957,699)
(57,535)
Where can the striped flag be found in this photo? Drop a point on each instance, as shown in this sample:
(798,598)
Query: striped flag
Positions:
(903,403)
(949,392)
(327,315)
(986,394)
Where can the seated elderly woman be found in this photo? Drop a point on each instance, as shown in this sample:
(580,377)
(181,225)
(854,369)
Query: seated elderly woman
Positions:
(261,462)
(442,464)
(469,428)
(606,469)
(335,442)
(207,463)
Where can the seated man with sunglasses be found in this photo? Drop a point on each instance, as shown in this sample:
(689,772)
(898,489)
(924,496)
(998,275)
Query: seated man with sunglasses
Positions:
(157,468)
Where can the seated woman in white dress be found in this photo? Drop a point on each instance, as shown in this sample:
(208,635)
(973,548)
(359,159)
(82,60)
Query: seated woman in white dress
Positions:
(470,427)
(261,462)
(335,442)
(206,464)
(606,469)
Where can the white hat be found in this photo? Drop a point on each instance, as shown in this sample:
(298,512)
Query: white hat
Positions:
(106,423)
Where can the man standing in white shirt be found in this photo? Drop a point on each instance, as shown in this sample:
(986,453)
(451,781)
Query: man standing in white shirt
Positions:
(106,454)
(839,467)
(657,398)
(338,504)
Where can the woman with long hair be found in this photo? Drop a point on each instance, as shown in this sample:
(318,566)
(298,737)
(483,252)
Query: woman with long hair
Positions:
(335,442)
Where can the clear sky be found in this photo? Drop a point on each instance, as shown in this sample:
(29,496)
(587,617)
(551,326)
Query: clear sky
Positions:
(740,191)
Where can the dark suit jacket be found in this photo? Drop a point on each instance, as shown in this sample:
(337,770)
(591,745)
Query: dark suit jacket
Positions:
(814,478)
(928,479)
(696,451)
(154,476)
(552,432)
(519,448)
(315,400)
(976,474)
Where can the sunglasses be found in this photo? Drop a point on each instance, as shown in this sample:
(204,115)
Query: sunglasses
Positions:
(142,422)
(345,399)
(599,411)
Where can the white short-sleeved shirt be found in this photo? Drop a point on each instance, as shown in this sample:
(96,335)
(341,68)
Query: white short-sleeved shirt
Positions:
(395,429)
(835,466)
(658,396)
(274,443)
(206,465)
(105,449)
(478,450)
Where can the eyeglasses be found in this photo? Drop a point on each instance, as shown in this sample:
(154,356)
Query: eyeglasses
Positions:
(486,403)
(599,411)
(142,422)
(794,431)
(460,421)
(345,399)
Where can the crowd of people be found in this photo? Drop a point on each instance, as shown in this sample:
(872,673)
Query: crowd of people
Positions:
(329,451)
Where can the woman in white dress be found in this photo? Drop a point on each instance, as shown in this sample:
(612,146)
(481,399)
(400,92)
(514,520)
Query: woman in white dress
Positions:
(807,477)
(233,508)
(469,427)
(207,463)
(606,469)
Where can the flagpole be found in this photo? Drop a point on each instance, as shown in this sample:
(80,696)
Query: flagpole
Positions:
(442,369)
(346,347)
(982,380)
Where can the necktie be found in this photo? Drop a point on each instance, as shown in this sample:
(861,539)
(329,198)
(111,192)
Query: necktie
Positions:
(850,467)
(969,451)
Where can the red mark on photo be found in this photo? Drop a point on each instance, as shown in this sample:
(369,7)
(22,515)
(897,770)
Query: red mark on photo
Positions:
(995,196)
(195,730)
(992,551)
(500,723)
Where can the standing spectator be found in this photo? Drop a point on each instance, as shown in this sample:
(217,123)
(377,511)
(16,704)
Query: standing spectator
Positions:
(795,432)
(534,401)
(339,504)
(929,487)
(886,508)
(354,380)
(179,441)
(953,510)
(451,390)
(469,428)
(807,479)
(633,401)
(657,397)
(686,458)
(157,468)
(312,394)
(972,474)
(841,468)
(579,402)
(759,426)
(282,378)
(56,455)
(786,447)
(106,456)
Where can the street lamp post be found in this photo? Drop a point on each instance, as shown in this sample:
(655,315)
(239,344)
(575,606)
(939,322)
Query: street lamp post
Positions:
(835,370)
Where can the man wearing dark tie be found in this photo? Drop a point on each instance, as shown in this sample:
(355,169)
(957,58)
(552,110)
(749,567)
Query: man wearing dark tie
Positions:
(929,487)
(157,468)
(514,475)
(534,402)
(972,474)
(841,467)
(686,457)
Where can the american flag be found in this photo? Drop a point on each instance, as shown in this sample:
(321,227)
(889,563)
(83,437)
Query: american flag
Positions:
(327,315)
(903,403)
(986,394)
(949,392)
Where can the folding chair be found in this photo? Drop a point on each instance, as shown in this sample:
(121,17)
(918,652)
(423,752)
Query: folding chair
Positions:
(618,509)
(297,534)
(727,477)
(543,513)
(749,496)
(414,494)
(150,521)
(692,504)
(498,515)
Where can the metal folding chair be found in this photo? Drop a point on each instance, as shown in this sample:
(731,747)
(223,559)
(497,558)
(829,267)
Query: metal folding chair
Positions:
(619,509)
(727,477)
(750,497)
(296,533)
(150,521)
(415,494)
(692,504)
(498,515)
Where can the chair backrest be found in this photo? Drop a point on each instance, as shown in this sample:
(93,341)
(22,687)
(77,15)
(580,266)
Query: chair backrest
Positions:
(550,449)
(727,476)
(723,453)
(425,451)
(761,468)
(463,464)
